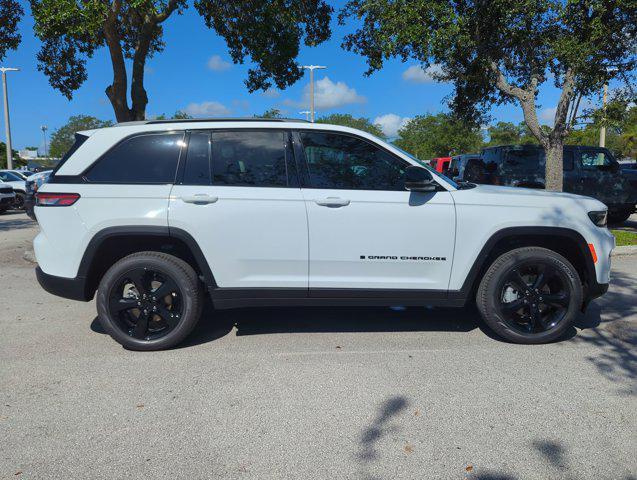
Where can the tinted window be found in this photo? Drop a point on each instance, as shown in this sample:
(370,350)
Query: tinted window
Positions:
(10,177)
(197,171)
(344,162)
(250,158)
(141,159)
(595,160)
(527,160)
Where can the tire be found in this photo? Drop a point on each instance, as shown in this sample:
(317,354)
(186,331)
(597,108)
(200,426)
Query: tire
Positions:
(18,203)
(617,218)
(131,312)
(544,313)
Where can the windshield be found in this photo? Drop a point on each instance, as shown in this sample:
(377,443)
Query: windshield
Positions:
(10,177)
(428,167)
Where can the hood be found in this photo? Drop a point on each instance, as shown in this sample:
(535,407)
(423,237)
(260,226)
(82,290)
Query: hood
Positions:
(524,197)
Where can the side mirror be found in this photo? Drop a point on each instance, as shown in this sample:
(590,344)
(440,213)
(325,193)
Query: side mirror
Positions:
(418,179)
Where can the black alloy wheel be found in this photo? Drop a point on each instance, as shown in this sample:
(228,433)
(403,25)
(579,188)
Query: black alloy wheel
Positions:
(530,295)
(149,300)
(146,304)
(534,297)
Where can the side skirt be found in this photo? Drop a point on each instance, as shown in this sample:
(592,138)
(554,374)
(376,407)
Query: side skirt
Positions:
(225,298)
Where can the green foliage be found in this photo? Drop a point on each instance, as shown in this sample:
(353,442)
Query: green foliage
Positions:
(178,115)
(348,120)
(440,135)
(63,138)
(10,13)
(525,40)
(17,161)
(507,133)
(270,113)
(265,34)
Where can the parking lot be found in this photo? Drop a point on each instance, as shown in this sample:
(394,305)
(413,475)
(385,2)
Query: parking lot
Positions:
(320,393)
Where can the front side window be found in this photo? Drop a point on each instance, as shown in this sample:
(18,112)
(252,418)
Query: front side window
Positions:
(249,158)
(595,160)
(142,159)
(344,162)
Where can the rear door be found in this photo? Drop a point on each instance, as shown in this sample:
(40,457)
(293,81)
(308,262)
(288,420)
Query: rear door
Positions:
(238,195)
(367,231)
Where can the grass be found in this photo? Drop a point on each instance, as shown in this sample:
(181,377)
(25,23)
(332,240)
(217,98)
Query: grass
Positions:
(625,238)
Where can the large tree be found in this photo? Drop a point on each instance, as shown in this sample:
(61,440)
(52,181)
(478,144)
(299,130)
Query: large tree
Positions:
(62,139)
(267,33)
(348,120)
(10,14)
(500,51)
(428,136)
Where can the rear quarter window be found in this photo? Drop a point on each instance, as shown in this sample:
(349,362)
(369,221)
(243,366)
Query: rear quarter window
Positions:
(146,158)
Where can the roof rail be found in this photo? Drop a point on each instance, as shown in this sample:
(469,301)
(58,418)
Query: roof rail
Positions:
(219,119)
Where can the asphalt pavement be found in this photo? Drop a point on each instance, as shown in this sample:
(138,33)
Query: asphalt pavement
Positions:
(313,393)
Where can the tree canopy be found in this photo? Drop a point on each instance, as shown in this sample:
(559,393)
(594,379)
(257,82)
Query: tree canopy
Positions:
(62,139)
(10,14)
(268,34)
(440,135)
(348,120)
(502,51)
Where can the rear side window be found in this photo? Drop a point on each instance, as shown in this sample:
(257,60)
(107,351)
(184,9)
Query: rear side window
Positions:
(150,158)
(249,158)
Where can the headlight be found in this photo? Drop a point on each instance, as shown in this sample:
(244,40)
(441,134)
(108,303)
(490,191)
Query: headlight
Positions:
(599,218)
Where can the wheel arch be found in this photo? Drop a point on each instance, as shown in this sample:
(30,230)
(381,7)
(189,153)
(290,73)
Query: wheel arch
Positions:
(565,241)
(113,243)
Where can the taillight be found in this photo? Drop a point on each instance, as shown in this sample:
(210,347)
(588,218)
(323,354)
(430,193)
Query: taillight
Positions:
(45,199)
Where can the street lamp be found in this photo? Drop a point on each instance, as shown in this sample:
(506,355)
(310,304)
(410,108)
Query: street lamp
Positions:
(306,113)
(44,128)
(311,68)
(7,126)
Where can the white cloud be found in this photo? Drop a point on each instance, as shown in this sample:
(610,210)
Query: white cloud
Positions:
(390,123)
(547,115)
(328,94)
(207,109)
(271,93)
(416,74)
(218,64)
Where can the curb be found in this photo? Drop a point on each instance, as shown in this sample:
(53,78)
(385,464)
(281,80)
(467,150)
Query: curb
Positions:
(29,256)
(625,250)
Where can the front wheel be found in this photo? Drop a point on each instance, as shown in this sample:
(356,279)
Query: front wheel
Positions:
(149,301)
(530,295)
(18,203)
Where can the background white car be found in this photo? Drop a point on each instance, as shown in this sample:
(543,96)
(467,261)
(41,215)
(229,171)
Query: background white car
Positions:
(18,183)
(7,197)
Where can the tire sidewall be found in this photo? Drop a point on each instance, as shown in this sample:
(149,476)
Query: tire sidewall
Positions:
(489,294)
(188,288)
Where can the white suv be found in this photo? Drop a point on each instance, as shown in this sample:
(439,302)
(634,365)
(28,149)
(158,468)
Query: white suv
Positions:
(152,215)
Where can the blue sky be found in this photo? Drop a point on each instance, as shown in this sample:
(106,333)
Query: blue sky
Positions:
(195,73)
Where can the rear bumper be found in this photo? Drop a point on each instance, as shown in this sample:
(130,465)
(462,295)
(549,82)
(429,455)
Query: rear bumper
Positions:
(72,288)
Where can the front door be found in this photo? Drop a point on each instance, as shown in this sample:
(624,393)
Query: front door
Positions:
(365,230)
(238,196)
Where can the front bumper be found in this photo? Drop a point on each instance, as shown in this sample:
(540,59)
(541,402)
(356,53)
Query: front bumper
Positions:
(72,288)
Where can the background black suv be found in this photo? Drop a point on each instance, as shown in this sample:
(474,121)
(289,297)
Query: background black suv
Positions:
(590,171)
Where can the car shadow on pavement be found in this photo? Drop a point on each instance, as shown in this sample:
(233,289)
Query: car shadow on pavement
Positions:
(349,319)
(14,223)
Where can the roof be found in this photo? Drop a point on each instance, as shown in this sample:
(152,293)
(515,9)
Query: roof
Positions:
(215,119)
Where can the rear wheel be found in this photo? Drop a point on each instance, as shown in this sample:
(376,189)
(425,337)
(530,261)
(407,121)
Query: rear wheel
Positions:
(149,301)
(530,295)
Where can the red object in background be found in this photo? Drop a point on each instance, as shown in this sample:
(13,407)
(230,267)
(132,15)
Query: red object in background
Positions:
(441,164)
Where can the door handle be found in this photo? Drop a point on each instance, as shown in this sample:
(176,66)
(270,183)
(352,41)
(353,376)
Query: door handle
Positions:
(332,202)
(199,198)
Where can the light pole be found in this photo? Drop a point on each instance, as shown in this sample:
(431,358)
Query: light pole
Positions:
(7,125)
(602,131)
(44,128)
(311,68)
(306,113)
